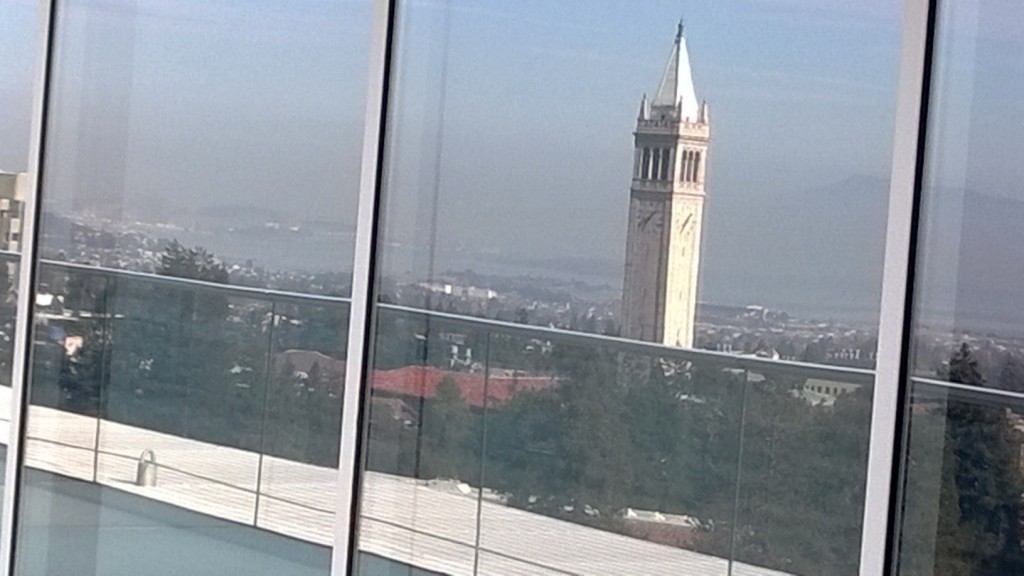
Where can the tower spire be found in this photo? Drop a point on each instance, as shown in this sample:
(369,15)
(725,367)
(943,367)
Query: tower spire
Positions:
(676,89)
(643,108)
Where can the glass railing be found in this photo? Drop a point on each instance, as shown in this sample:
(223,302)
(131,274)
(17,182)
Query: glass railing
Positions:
(221,399)
(962,483)
(753,461)
(254,369)
(501,446)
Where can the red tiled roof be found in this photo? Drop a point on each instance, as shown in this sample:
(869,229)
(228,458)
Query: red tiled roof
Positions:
(422,382)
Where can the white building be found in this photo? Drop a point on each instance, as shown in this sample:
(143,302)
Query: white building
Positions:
(666,209)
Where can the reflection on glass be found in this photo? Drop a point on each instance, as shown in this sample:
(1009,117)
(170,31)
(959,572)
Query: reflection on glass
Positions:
(962,507)
(195,255)
(618,443)
(969,289)
(962,455)
(630,272)
(803,473)
(668,448)
(685,214)
(18,58)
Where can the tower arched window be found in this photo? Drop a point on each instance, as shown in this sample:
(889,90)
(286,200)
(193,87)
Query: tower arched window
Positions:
(665,156)
(696,167)
(646,173)
(686,166)
(655,163)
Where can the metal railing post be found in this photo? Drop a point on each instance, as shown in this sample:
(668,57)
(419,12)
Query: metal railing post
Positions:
(483,455)
(878,529)
(362,312)
(267,367)
(734,536)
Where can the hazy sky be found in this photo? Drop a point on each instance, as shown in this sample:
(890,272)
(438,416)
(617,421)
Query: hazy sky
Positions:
(541,104)
(260,104)
(17,34)
(976,142)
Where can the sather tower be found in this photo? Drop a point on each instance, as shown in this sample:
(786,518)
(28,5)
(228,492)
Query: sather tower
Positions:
(666,209)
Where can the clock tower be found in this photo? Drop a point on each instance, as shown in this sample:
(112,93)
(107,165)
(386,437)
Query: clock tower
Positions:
(666,209)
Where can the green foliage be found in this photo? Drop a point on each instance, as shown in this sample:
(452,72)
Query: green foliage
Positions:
(802,484)
(448,442)
(978,530)
(173,361)
(622,431)
(193,263)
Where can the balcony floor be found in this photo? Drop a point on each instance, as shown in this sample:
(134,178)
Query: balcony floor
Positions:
(206,499)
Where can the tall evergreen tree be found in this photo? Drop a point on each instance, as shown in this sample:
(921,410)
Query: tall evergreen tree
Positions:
(978,532)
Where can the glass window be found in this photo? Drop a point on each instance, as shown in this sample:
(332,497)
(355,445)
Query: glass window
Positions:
(575,371)
(18,62)
(201,175)
(962,465)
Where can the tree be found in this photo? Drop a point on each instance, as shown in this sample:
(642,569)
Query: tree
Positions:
(448,449)
(193,263)
(802,478)
(979,516)
(668,438)
(177,343)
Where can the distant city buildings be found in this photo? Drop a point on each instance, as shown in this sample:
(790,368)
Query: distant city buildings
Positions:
(459,291)
(666,209)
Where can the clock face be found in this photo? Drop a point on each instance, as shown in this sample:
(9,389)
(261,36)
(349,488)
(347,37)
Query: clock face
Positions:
(649,216)
(686,223)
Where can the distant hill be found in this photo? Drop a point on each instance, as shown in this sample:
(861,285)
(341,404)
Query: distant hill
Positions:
(989,271)
(816,252)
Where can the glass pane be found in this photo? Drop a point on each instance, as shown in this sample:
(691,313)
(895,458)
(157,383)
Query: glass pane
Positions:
(961,457)
(961,510)
(18,61)
(202,167)
(629,287)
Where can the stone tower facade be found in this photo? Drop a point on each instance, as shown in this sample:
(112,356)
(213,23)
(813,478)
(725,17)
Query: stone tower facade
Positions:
(666,209)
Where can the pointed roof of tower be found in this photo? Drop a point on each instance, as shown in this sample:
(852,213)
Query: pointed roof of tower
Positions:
(677,83)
